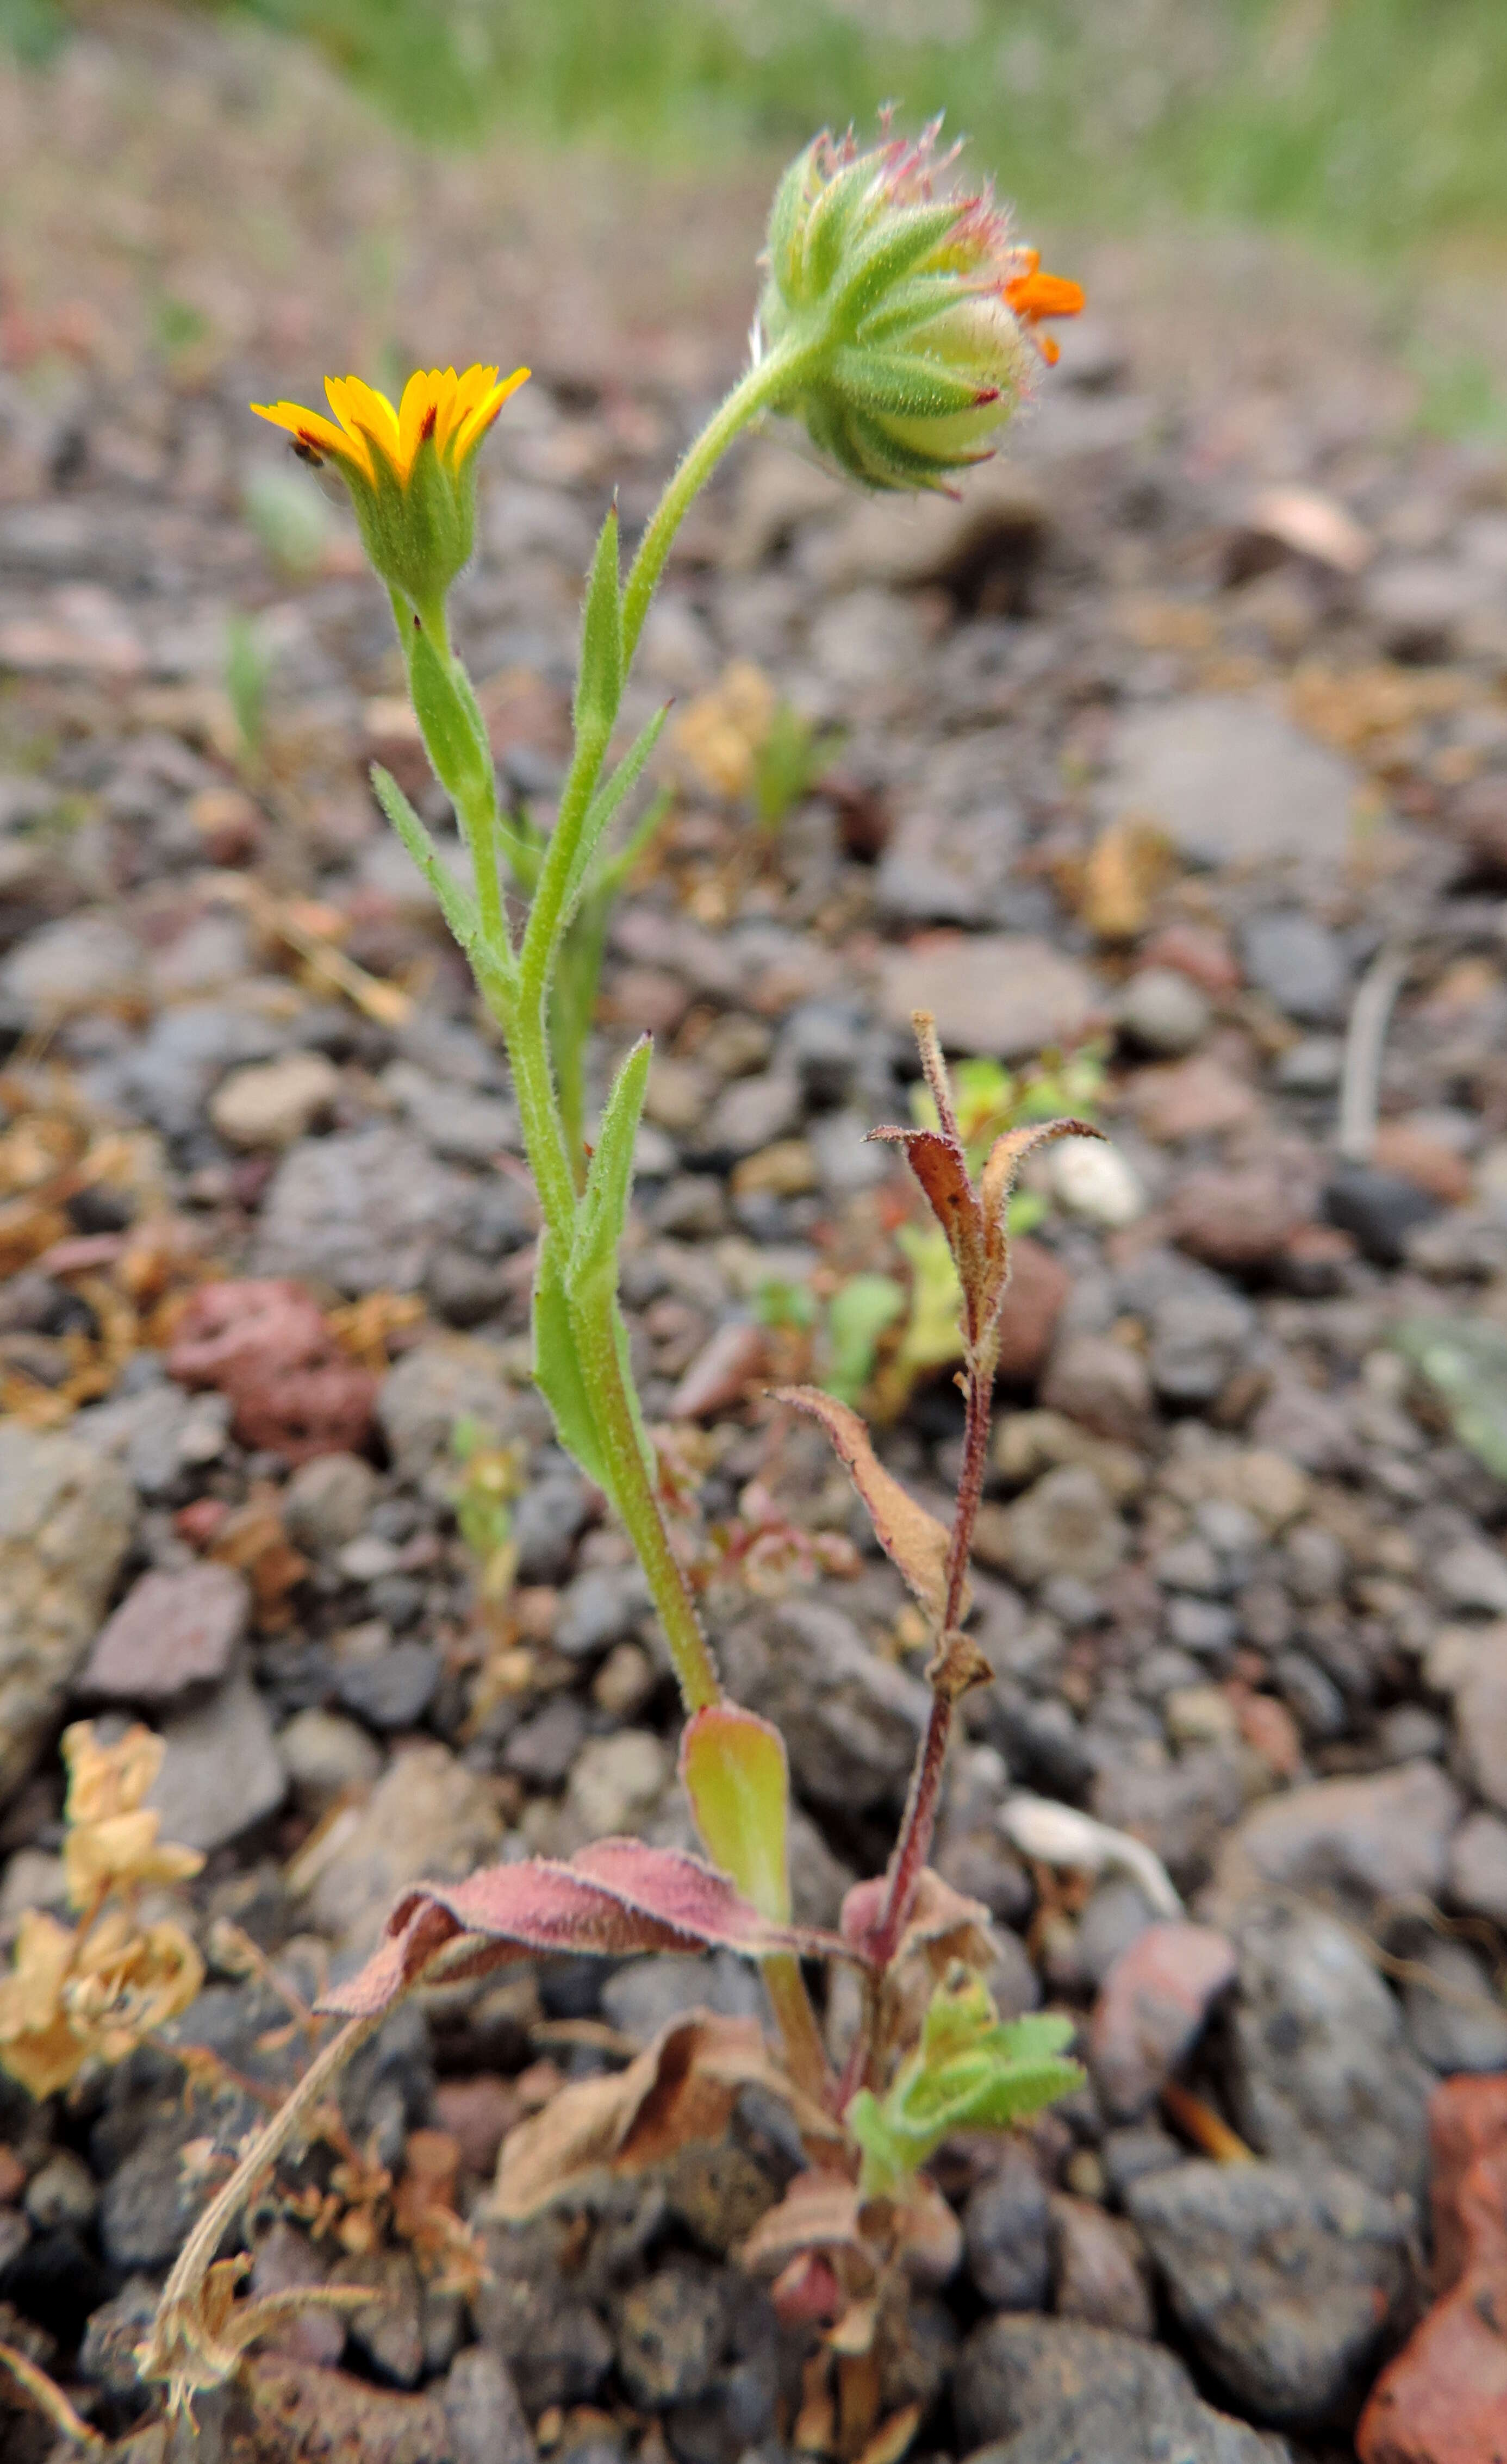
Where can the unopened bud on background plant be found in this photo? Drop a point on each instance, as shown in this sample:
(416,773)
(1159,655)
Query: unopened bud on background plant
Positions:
(915,310)
(410,467)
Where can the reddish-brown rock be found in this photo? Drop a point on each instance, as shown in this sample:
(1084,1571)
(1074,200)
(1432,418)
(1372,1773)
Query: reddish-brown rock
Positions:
(173,1630)
(1151,2010)
(264,1342)
(1038,1286)
(1444,2399)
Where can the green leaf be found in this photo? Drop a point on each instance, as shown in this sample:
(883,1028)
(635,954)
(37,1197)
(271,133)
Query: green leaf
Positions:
(734,1770)
(557,1366)
(599,686)
(859,1313)
(605,804)
(454,734)
(1463,1362)
(602,1210)
(971,2071)
(455,904)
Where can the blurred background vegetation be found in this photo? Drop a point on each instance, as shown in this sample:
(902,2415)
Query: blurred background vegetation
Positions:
(1373,126)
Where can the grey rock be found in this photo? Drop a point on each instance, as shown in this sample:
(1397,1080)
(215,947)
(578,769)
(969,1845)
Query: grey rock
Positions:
(363,1210)
(74,964)
(671,2329)
(1479,1866)
(942,868)
(641,1995)
(1006,2234)
(1197,1340)
(325,1756)
(1114,1916)
(222,1770)
(601,1606)
(1318,2064)
(849,1720)
(1283,2279)
(1456,2018)
(486,2421)
(1378,1209)
(435,1386)
(159,1434)
(1054,2391)
(392,1689)
(1299,966)
(867,637)
(1383,1835)
(327,1501)
(1311,1067)
(541,2321)
(171,1074)
(1181,1809)
(62,2191)
(107,2355)
(172,1631)
(1422,605)
(542,1749)
(752,1113)
(1001,994)
(547,1521)
(388,2332)
(1165,1011)
(1233,781)
(1471,1574)
(1099,2269)
(428,1816)
(66,1516)
(1102,1385)
(1311,1695)
(1064,1524)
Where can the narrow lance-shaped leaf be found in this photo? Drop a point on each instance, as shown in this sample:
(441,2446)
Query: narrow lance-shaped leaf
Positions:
(603,805)
(455,904)
(599,686)
(602,1211)
(911,1538)
(616,1897)
(449,719)
(556,1367)
(942,1168)
(734,1770)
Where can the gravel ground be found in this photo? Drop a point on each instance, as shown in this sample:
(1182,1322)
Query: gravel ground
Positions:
(1181,731)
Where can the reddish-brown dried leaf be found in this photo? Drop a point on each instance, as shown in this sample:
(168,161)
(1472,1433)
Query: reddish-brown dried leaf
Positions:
(819,2210)
(911,1538)
(1006,1157)
(680,2089)
(942,1168)
(616,1897)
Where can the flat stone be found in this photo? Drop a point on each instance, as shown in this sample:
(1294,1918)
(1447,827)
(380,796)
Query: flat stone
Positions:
(66,1516)
(1479,1866)
(1382,1836)
(1318,2063)
(1064,1525)
(1196,1098)
(327,1756)
(486,2421)
(1165,1011)
(1053,2391)
(1099,2268)
(1005,2234)
(74,964)
(947,867)
(1233,783)
(1005,995)
(222,1770)
(1284,2281)
(849,1720)
(270,1103)
(1151,2011)
(437,1385)
(1299,966)
(428,1816)
(327,1501)
(172,1631)
(1456,2019)
(363,1210)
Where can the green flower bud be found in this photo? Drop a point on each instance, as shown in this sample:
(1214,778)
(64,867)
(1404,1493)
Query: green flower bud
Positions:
(909,314)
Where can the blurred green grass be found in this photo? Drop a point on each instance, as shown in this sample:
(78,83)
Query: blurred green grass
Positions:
(1374,126)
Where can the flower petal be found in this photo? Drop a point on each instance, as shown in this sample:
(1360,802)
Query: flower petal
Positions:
(320,434)
(473,427)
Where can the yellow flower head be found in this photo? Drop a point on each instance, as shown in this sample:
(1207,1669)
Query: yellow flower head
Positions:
(409,468)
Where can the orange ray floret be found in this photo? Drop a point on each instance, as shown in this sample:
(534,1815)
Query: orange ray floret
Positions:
(1032,295)
(372,438)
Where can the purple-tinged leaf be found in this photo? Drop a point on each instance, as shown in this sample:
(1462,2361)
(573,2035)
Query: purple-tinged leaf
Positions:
(616,1897)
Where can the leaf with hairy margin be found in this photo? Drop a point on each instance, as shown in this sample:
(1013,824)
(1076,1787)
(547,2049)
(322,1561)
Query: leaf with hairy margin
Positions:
(911,1538)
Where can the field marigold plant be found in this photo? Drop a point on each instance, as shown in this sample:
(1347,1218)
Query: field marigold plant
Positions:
(897,323)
